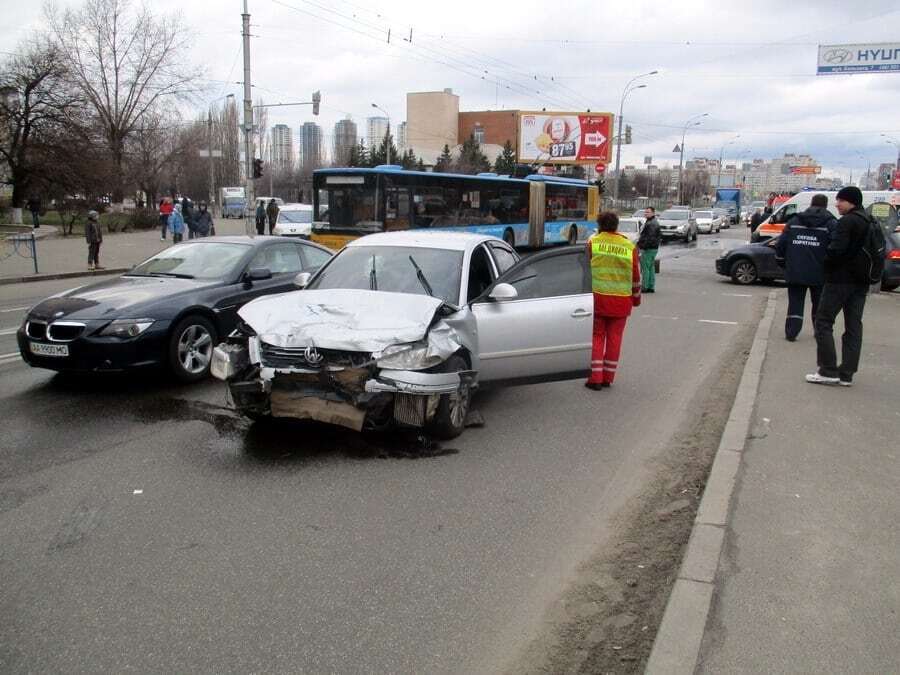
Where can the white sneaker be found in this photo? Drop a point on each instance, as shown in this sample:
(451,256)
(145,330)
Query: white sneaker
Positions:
(815,378)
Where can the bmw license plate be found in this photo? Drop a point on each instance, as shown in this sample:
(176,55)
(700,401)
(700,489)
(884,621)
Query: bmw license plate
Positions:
(48,350)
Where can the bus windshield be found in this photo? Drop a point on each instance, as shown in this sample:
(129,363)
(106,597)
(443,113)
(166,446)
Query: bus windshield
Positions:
(347,202)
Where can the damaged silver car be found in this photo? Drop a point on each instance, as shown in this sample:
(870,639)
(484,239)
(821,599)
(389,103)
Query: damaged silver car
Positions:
(400,328)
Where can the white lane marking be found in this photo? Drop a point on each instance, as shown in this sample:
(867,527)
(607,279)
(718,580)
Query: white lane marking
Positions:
(8,358)
(12,309)
(654,316)
(738,295)
(138,492)
(9,331)
(724,323)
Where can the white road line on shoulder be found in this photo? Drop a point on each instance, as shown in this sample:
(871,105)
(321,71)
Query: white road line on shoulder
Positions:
(9,358)
(654,316)
(738,295)
(724,323)
(9,331)
(12,309)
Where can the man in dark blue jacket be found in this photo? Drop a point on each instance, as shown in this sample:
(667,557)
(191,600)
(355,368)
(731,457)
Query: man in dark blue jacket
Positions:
(802,246)
(845,289)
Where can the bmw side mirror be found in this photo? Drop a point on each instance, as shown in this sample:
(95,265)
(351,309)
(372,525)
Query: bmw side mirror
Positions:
(502,292)
(259,274)
(302,279)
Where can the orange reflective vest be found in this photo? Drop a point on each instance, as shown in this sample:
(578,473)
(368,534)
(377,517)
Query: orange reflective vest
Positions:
(611,264)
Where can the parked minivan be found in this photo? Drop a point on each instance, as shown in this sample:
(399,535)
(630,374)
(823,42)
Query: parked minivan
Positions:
(774,224)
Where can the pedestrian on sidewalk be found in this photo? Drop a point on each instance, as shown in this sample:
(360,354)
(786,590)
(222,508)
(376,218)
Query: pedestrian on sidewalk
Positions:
(165,210)
(648,243)
(272,213)
(187,214)
(176,224)
(260,217)
(845,289)
(34,205)
(203,222)
(616,284)
(802,248)
(93,234)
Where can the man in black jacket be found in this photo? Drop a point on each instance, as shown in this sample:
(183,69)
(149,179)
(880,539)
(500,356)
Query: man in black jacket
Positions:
(648,243)
(802,246)
(755,220)
(846,285)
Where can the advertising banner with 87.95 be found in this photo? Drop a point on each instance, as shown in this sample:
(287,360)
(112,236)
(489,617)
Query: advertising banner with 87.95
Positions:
(565,138)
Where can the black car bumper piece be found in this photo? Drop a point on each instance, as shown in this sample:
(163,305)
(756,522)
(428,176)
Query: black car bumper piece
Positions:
(91,353)
(722,266)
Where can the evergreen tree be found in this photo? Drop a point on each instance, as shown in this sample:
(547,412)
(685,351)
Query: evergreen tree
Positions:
(380,154)
(359,156)
(505,163)
(409,160)
(471,159)
(420,165)
(445,161)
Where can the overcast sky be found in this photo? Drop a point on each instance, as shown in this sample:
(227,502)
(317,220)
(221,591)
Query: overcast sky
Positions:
(752,68)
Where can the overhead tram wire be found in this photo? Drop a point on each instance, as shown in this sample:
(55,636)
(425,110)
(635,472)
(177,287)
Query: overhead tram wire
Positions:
(454,63)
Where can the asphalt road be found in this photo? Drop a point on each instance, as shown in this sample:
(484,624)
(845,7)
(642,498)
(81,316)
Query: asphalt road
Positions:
(144,527)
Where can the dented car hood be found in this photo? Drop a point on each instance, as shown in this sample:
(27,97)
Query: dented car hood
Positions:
(342,319)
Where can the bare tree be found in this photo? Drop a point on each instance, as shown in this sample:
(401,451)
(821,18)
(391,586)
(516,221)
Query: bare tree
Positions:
(126,62)
(33,99)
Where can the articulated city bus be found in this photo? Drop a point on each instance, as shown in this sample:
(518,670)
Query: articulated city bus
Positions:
(532,211)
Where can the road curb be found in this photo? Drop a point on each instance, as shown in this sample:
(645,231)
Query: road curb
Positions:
(62,275)
(676,649)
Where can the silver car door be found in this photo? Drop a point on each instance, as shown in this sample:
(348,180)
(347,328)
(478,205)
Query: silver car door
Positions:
(545,332)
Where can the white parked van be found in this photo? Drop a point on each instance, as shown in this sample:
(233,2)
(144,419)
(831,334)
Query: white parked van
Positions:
(774,224)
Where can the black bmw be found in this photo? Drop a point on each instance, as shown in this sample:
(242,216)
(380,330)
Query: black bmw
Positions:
(169,311)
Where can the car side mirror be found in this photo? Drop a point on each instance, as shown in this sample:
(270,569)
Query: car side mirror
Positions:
(259,274)
(502,292)
(302,279)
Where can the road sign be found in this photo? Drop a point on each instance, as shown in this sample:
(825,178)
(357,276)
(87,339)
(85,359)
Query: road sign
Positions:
(600,167)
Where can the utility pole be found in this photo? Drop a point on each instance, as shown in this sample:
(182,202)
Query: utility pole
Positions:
(212,177)
(248,124)
(627,90)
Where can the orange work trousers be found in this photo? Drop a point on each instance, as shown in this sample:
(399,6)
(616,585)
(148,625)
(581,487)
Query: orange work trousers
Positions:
(608,333)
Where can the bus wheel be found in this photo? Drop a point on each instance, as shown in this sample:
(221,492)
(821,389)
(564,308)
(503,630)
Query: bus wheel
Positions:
(509,237)
(573,235)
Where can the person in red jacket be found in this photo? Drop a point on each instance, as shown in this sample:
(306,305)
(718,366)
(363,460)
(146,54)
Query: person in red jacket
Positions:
(616,283)
(165,210)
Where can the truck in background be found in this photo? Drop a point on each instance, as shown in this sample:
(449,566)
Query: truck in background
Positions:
(233,201)
(730,200)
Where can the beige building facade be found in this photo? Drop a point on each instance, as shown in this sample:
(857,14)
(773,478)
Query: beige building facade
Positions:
(432,121)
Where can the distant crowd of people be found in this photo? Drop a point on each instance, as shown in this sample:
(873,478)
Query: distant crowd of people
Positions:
(178,216)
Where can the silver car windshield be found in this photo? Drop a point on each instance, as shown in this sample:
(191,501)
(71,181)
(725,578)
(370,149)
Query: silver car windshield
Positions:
(703,214)
(389,268)
(675,215)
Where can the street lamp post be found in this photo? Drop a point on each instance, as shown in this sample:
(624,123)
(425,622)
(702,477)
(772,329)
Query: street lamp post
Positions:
(627,90)
(721,156)
(694,121)
(388,135)
(895,142)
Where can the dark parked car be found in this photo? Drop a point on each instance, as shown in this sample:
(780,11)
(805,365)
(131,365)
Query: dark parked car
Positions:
(171,310)
(750,263)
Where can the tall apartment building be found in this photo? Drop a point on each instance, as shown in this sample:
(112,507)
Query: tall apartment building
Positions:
(282,147)
(345,140)
(311,145)
(376,129)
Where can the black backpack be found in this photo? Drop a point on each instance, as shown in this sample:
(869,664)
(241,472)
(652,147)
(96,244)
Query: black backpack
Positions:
(873,250)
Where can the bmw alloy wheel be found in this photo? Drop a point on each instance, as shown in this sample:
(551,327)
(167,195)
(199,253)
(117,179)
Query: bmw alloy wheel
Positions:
(195,347)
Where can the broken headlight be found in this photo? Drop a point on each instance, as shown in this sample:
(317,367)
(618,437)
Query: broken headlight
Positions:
(409,356)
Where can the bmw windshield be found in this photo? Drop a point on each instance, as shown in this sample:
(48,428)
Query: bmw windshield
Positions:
(200,260)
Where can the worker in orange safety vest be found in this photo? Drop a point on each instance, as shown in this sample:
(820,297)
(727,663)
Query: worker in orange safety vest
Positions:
(616,283)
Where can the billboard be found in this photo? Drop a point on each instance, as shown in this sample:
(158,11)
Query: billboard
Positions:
(565,137)
(806,169)
(895,181)
(883,57)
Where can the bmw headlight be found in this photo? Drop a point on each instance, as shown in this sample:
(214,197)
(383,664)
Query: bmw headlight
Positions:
(680,228)
(410,356)
(127,328)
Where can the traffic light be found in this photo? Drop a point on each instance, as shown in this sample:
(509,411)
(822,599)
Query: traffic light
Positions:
(601,185)
(627,134)
(257,168)
(316,100)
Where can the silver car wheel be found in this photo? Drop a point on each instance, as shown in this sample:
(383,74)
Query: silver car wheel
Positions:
(195,347)
(744,272)
(459,405)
